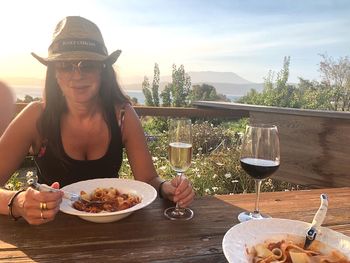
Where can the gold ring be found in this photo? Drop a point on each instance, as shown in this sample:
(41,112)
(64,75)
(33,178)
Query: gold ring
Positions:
(43,206)
(41,215)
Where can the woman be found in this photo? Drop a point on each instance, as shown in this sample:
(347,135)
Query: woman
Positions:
(79,131)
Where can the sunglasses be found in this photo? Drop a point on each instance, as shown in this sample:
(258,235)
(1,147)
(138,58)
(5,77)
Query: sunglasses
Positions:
(84,66)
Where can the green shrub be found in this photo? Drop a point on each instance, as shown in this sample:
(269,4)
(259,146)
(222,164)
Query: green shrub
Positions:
(215,167)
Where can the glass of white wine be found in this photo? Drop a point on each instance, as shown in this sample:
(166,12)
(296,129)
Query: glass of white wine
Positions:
(180,156)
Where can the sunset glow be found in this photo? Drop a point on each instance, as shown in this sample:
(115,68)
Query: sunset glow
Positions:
(246,37)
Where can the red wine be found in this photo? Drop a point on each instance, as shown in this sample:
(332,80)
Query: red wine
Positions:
(259,168)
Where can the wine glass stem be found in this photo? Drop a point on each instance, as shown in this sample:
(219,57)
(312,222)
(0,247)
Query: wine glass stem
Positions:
(178,181)
(257,191)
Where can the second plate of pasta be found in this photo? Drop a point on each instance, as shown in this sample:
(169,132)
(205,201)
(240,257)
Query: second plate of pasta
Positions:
(144,192)
(241,242)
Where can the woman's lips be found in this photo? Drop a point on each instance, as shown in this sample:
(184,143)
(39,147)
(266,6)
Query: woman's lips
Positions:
(80,87)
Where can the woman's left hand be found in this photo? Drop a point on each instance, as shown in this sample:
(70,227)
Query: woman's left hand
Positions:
(180,191)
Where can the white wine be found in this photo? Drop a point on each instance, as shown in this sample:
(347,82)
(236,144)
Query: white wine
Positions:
(180,155)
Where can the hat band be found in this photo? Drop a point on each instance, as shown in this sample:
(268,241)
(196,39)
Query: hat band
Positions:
(68,45)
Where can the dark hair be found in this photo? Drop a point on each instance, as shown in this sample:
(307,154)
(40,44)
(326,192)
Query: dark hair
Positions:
(55,105)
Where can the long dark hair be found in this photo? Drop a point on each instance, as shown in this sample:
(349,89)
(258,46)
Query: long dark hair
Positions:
(49,125)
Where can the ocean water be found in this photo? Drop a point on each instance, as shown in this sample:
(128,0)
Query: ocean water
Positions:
(35,91)
(21,91)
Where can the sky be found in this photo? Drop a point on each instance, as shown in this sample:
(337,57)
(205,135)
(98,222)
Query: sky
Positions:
(246,37)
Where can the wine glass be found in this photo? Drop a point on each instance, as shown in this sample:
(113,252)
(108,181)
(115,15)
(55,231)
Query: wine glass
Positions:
(260,158)
(180,156)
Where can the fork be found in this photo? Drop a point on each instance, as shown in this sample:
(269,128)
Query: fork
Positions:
(67,195)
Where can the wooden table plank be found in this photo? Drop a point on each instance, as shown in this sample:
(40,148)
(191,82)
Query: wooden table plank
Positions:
(300,205)
(147,236)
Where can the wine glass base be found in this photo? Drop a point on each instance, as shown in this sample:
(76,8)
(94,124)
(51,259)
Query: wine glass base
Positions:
(246,216)
(178,214)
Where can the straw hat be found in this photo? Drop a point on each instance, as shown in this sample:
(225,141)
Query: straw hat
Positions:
(76,38)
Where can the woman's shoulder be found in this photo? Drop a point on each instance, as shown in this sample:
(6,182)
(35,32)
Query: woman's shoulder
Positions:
(33,109)
(126,106)
(38,105)
(123,109)
(126,115)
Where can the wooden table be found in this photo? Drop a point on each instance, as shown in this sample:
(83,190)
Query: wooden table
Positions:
(147,236)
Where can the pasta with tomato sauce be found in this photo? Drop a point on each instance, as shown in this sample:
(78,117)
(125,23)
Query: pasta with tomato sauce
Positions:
(290,252)
(105,199)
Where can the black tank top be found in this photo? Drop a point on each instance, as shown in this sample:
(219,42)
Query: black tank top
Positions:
(51,169)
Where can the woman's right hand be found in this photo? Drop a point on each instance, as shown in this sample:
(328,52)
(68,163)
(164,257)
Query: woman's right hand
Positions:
(30,204)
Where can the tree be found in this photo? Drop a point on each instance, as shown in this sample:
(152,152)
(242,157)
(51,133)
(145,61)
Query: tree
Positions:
(336,78)
(276,92)
(28,99)
(332,93)
(177,93)
(155,85)
(206,92)
(147,92)
(166,96)
(180,87)
(151,95)
(314,95)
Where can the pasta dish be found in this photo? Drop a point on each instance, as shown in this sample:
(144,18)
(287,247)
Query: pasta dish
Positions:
(290,252)
(105,199)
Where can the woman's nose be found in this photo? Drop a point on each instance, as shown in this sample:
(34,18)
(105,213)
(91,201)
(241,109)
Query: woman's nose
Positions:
(76,73)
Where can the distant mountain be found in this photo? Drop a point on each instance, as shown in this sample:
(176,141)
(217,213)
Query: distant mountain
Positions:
(235,89)
(227,83)
(217,77)
(211,77)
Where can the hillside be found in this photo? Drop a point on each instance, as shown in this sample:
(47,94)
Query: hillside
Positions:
(228,83)
(223,88)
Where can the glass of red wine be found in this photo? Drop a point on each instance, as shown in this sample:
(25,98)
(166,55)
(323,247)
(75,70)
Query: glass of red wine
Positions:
(260,158)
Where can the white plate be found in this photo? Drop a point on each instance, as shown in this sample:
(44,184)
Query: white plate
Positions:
(145,191)
(250,233)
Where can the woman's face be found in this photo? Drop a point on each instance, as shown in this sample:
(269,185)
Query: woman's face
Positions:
(79,80)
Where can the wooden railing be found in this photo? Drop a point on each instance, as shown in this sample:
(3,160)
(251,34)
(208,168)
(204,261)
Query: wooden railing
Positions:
(179,112)
(315,145)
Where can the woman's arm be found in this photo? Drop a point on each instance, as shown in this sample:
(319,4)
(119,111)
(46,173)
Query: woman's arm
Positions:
(142,165)
(136,148)
(14,146)
(17,139)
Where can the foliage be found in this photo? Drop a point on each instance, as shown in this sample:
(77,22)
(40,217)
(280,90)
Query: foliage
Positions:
(166,96)
(152,94)
(155,85)
(206,92)
(16,182)
(176,93)
(336,79)
(155,125)
(27,99)
(215,167)
(179,92)
(147,92)
(276,90)
(332,93)
(180,87)
(207,137)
